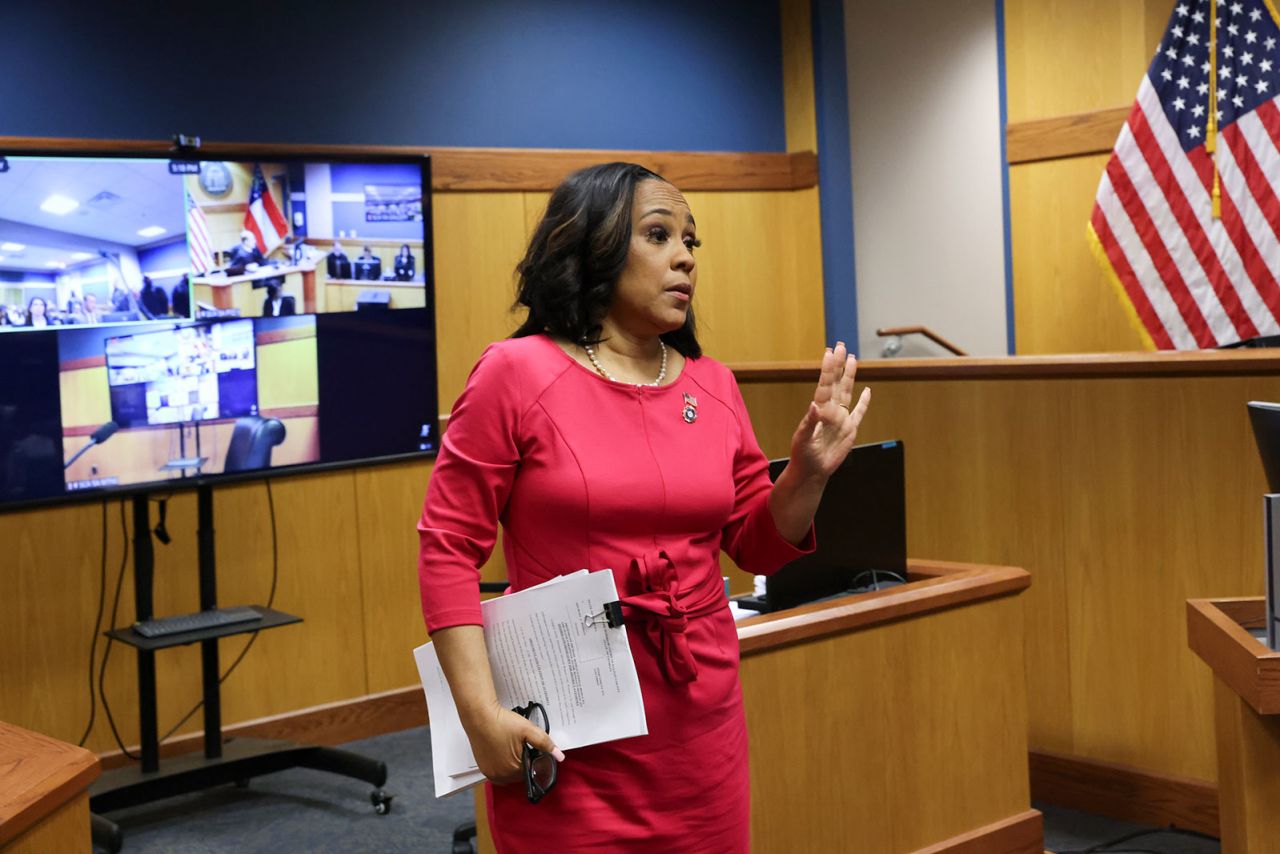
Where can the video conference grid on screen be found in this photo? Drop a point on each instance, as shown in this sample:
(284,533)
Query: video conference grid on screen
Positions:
(316,319)
(189,373)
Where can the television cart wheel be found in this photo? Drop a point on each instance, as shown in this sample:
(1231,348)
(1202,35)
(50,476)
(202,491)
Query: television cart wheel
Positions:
(224,761)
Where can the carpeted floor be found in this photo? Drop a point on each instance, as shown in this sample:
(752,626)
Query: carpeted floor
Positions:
(302,810)
(311,811)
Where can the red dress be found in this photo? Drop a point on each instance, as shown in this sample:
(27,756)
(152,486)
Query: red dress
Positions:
(587,473)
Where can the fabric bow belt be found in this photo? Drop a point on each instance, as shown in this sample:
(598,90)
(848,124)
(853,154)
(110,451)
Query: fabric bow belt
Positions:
(664,617)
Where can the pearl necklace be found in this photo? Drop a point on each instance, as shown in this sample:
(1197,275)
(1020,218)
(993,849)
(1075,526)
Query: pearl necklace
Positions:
(662,373)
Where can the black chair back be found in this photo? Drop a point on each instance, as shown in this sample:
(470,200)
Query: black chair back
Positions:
(252,441)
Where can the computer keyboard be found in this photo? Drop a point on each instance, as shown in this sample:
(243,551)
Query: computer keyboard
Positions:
(195,622)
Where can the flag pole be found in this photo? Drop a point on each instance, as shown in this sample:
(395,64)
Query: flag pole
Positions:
(1211,137)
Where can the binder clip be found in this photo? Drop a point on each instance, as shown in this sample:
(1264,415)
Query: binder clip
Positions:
(610,616)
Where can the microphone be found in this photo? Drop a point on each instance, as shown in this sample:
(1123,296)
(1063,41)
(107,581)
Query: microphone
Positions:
(102,434)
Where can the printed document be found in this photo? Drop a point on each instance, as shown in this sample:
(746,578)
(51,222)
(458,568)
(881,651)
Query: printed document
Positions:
(545,647)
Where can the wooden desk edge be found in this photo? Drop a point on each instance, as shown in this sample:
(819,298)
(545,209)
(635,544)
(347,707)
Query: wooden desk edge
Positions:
(1216,632)
(50,773)
(935,585)
(1065,366)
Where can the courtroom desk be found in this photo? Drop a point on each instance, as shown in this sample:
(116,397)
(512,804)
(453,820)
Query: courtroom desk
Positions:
(1125,484)
(892,721)
(238,292)
(43,803)
(341,294)
(1247,717)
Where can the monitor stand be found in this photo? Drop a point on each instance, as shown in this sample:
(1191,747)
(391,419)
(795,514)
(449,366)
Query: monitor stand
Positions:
(184,462)
(244,758)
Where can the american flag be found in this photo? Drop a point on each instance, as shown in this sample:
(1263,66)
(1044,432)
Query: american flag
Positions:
(262,217)
(199,247)
(1204,126)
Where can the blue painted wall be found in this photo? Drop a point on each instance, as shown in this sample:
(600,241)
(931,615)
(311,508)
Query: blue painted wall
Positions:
(704,75)
(835,175)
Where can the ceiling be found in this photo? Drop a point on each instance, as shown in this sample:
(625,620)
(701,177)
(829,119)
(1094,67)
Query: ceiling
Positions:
(145,195)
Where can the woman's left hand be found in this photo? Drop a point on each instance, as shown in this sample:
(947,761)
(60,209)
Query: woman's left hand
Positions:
(830,426)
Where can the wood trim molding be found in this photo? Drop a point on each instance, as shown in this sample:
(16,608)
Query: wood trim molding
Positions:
(1216,631)
(301,410)
(1240,362)
(935,586)
(328,724)
(1124,793)
(38,774)
(508,169)
(1064,136)
(1017,834)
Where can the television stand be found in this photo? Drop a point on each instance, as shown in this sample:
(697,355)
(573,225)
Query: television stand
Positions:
(234,761)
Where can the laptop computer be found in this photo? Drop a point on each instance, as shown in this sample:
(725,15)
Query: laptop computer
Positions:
(861,528)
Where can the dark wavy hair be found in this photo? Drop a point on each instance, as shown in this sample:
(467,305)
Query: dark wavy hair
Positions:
(570,270)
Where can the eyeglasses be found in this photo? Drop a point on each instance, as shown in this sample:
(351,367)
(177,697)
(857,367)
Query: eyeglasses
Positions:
(539,768)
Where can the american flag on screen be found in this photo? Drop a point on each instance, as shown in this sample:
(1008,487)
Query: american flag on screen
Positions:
(1204,134)
(262,217)
(199,247)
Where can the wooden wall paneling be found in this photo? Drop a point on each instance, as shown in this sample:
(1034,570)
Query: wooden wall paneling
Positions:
(1063,301)
(479,238)
(1122,497)
(51,564)
(960,504)
(757,289)
(797,75)
(322,659)
(1163,506)
(1074,56)
(388,504)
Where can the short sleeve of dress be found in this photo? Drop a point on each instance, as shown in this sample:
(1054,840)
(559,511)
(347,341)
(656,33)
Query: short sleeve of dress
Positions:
(468,492)
(751,536)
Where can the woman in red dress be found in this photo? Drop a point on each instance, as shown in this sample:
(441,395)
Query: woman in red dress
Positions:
(598,436)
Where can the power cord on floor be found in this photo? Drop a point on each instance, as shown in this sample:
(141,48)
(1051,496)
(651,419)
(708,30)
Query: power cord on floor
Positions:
(106,655)
(97,626)
(1108,848)
(271,598)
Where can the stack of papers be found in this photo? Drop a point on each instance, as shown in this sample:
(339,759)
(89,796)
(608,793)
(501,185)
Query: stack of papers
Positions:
(543,647)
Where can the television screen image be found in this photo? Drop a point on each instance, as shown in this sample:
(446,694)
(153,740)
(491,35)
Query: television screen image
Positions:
(189,373)
(178,394)
(217,363)
(307,237)
(86,241)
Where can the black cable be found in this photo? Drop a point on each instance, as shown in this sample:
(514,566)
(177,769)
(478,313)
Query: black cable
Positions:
(106,655)
(855,583)
(271,598)
(97,625)
(1106,847)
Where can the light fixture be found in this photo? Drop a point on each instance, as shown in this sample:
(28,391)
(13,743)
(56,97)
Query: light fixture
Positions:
(151,231)
(13,247)
(59,205)
(81,256)
(57,265)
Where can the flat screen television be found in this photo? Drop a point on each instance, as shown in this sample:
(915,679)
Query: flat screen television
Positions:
(152,308)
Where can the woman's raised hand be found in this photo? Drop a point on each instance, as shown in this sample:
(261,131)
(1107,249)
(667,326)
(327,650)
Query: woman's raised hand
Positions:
(830,425)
